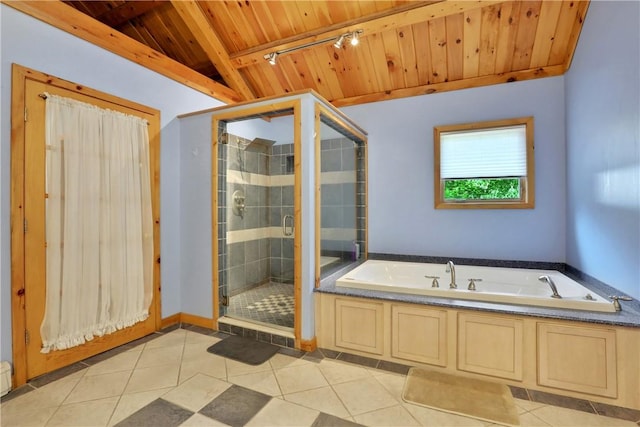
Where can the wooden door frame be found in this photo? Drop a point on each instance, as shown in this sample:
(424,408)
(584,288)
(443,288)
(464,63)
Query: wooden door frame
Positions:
(245,110)
(20,75)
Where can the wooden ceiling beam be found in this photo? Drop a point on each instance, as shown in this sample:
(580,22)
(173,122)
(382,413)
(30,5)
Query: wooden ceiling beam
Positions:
(409,14)
(74,22)
(535,73)
(128,11)
(194,18)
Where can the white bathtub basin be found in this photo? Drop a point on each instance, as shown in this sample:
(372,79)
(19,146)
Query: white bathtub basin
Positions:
(501,285)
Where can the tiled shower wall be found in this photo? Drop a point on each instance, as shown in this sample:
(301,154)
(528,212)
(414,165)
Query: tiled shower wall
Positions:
(281,199)
(260,259)
(252,262)
(248,261)
(342,199)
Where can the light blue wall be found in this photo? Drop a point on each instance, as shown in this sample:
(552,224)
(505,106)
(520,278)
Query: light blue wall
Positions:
(33,44)
(597,231)
(195,190)
(603,147)
(402,219)
(195,223)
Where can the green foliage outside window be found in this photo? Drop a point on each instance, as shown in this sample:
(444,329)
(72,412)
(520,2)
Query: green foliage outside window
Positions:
(479,189)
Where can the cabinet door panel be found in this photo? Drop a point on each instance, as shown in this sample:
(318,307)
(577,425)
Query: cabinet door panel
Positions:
(490,345)
(578,359)
(359,326)
(419,334)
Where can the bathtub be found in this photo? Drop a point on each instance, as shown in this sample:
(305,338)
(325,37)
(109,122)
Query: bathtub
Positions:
(501,285)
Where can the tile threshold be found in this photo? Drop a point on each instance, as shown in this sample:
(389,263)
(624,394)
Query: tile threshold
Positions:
(258,332)
(256,326)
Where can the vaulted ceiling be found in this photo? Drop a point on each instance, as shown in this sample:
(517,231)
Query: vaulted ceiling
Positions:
(406,48)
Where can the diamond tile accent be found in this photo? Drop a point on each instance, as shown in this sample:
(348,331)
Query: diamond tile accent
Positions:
(327,420)
(157,413)
(236,406)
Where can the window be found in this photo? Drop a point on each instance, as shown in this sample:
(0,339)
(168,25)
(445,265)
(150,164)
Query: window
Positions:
(486,165)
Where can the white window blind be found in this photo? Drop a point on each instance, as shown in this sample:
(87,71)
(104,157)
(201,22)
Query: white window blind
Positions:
(484,153)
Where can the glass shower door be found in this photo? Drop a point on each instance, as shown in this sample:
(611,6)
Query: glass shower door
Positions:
(256,238)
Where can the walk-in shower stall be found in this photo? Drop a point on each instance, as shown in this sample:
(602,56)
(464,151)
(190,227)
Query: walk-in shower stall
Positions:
(289,205)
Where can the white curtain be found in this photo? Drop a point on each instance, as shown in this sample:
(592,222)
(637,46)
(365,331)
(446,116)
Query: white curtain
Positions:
(99,226)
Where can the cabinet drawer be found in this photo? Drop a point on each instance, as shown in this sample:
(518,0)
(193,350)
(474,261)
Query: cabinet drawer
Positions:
(359,325)
(577,358)
(490,345)
(419,334)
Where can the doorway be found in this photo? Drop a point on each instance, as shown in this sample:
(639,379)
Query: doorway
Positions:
(28,214)
(256,188)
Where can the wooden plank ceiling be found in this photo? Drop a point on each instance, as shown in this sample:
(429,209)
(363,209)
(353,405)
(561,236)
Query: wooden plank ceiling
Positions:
(406,48)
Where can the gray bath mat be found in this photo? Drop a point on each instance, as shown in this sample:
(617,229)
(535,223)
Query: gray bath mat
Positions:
(244,350)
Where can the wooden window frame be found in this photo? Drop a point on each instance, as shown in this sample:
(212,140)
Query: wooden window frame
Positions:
(527,183)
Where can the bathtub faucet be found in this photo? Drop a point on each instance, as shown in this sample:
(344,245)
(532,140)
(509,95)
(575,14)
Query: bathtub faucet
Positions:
(551,285)
(451,268)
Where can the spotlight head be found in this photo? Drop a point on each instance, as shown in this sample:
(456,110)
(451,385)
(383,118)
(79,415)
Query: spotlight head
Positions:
(338,43)
(354,38)
(272,58)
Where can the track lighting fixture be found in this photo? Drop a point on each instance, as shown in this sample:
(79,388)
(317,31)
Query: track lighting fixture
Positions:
(338,41)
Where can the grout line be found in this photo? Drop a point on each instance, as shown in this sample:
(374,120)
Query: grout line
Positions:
(338,396)
(54,413)
(119,399)
(544,423)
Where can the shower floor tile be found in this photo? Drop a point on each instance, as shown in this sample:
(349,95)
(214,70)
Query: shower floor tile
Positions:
(271,303)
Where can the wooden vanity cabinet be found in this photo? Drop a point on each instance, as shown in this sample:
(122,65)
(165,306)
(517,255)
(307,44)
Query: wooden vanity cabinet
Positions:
(589,361)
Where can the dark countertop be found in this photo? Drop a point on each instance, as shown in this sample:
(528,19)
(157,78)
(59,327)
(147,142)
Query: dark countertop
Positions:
(629,316)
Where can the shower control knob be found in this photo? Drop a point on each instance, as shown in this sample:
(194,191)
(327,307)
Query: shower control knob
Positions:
(472,284)
(435,283)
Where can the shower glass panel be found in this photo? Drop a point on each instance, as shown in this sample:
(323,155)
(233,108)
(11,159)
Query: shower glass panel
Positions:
(256,223)
(342,196)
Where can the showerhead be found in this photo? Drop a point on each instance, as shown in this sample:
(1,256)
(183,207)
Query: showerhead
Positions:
(258,144)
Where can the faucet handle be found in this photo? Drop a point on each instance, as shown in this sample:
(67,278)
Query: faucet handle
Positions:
(472,284)
(435,283)
(616,302)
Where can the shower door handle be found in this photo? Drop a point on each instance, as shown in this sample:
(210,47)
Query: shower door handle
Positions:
(287,231)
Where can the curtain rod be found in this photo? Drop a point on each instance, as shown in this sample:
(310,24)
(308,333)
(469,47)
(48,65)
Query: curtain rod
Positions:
(45,95)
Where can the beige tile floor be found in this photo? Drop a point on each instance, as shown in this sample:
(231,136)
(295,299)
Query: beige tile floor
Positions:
(177,367)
